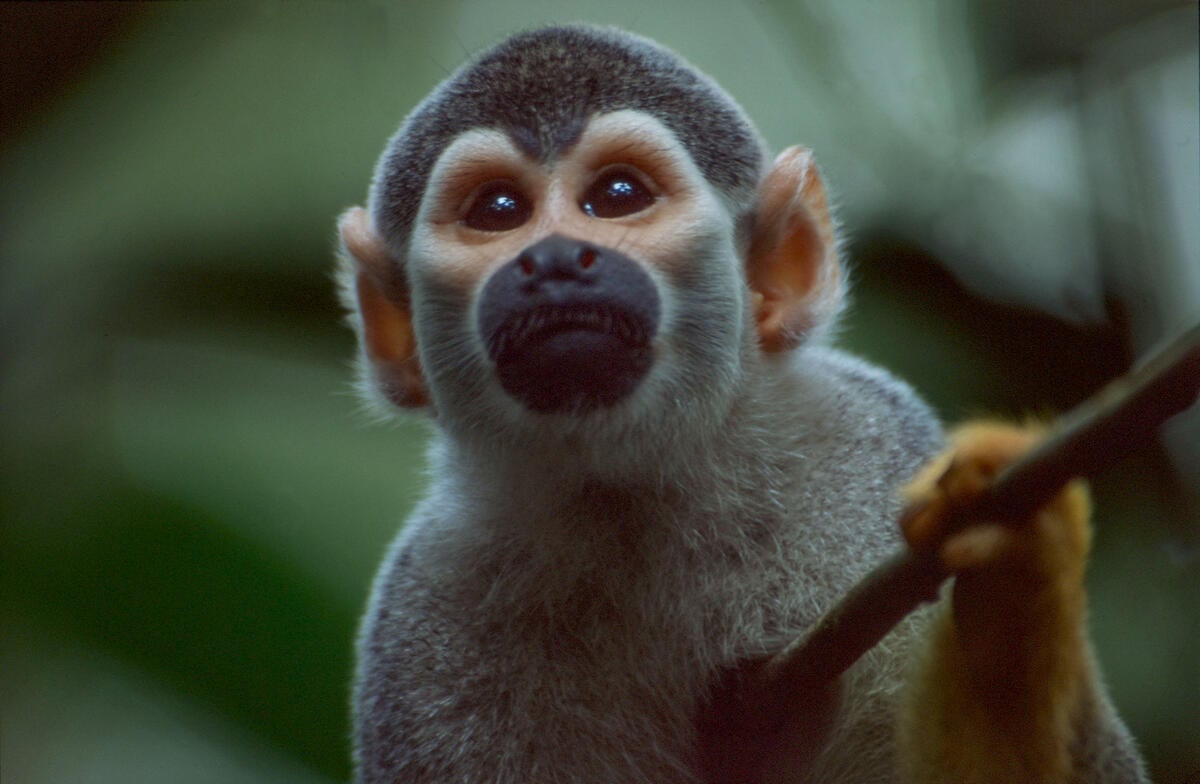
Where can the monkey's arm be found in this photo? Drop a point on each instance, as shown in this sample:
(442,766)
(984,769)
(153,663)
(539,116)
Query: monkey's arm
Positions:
(1005,689)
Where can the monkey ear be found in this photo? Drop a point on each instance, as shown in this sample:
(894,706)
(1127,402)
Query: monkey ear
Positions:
(384,313)
(793,267)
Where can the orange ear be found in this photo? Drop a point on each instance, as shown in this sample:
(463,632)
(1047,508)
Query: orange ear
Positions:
(793,267)
(387,330)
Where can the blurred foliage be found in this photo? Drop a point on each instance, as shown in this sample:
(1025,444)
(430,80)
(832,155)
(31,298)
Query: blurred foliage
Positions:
(191,505)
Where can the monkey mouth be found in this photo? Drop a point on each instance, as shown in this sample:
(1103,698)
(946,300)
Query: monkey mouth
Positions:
(571,358)
(569,325)
(534,328)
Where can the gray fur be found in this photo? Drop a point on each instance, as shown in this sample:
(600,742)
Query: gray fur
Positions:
(572,641)
(558,605)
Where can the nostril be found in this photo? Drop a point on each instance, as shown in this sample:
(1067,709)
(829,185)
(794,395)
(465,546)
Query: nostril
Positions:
(556,259)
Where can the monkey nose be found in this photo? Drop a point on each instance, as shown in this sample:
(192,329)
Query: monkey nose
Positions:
(558,258)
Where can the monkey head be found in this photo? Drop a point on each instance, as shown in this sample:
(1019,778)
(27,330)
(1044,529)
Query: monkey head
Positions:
(610,245)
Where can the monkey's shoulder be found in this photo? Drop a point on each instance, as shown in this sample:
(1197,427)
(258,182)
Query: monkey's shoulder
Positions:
(855,434)
(854,409)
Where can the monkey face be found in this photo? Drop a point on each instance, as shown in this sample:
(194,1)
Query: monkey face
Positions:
(558,282)
(598,289)
(575,233)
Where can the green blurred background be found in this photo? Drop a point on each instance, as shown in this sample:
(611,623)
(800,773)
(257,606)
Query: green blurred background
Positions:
(192,503)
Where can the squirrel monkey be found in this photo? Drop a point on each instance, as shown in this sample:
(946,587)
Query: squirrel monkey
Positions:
(647,464)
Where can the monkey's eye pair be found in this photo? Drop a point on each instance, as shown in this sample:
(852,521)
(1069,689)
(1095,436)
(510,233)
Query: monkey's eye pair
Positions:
(502,206)
(617,192)
(499,206)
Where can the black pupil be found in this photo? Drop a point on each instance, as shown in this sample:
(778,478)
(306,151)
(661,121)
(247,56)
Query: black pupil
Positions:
(615,195)
(498,208)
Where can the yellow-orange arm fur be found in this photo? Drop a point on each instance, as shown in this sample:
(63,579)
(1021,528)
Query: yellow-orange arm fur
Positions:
(994,695)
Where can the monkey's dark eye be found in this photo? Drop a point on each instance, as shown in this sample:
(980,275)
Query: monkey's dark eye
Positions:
(615,193)
(498,206)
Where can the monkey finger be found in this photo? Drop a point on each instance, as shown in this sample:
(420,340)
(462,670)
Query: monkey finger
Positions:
(920,522)
(978,546)
(935,498)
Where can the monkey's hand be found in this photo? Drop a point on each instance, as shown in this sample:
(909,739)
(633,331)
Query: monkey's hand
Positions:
(995,692)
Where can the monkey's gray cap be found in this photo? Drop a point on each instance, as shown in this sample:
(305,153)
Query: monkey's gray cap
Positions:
(541,87)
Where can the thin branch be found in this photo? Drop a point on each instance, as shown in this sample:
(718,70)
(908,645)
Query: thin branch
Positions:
(760,697)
